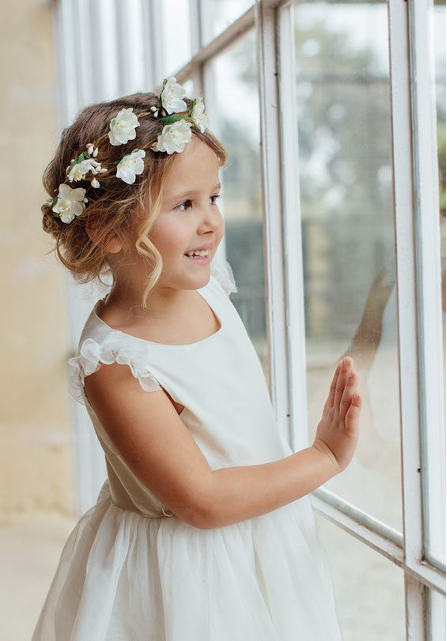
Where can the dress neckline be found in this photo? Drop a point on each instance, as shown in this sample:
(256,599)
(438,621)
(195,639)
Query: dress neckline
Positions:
(143,340)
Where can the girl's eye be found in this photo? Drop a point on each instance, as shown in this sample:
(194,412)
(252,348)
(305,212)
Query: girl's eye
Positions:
(189,201)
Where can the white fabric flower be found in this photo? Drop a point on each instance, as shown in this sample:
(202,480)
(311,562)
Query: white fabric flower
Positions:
(122,127)
(199,118)
(79,170)
(174,137)
(70,202)
(130,166)
(171,97)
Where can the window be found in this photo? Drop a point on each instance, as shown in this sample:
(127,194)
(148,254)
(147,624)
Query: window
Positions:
(346,202)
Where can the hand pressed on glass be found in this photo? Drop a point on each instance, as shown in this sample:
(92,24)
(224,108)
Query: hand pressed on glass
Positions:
(338,431)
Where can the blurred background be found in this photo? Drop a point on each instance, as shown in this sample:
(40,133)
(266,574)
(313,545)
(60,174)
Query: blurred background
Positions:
(58,57)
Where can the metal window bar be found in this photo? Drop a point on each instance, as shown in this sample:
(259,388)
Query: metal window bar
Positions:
(292,226)
(428,256)
(266,31)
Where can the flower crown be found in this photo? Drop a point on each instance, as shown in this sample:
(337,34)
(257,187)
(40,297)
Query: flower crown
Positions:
(177,120)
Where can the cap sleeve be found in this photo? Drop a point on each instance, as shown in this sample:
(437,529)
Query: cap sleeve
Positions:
(92,354)
(223,273)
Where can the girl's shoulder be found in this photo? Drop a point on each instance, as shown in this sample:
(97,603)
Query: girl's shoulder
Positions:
(96,347)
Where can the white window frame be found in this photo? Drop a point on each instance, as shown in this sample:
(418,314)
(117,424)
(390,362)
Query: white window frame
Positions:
(418,266)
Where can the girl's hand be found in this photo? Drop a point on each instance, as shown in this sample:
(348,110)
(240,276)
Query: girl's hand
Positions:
(338,432)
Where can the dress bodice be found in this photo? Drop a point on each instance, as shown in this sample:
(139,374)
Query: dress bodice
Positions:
(219,381)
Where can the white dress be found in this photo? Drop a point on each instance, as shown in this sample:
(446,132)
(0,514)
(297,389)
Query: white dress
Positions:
(132,571)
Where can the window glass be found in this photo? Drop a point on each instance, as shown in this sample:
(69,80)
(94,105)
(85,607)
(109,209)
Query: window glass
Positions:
(435,468)
(217,15)
(177,38)
(235,93)
(435,614)
(344,133)
(369,589)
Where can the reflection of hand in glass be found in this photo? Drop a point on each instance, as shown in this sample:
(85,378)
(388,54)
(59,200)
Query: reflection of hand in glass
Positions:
(373,451)
(369,332)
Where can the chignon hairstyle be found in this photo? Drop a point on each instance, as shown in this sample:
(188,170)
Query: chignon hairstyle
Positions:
(114,207)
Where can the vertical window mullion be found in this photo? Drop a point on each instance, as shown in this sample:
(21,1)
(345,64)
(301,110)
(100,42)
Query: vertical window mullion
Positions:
(291,208)
(406,279)
(265,24)
(415,609)
(407,312)
(428,263)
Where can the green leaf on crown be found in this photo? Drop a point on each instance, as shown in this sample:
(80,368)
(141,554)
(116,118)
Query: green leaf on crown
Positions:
(174,117)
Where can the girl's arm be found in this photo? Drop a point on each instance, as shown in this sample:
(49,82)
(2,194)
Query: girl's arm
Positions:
(247,491)
(159,449)
(152,440)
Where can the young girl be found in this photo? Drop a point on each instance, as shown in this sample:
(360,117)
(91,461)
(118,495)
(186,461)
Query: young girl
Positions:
(203,530)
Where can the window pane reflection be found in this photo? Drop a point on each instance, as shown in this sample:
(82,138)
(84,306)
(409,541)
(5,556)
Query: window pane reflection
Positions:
(217,15)
(344,130)
(369,589)
(436,498)
(233,75)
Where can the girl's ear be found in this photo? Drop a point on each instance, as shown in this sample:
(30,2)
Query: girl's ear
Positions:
(113,247)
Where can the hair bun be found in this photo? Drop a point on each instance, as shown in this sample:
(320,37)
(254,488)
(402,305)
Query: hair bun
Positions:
(50,223)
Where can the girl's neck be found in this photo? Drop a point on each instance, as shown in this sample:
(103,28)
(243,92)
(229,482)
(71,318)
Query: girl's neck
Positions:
(161,304)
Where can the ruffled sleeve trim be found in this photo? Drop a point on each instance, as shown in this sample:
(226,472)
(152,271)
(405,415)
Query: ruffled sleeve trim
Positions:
(92,354)
(223,273)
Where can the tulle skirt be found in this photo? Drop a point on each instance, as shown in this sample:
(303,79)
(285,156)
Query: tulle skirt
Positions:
(122,576)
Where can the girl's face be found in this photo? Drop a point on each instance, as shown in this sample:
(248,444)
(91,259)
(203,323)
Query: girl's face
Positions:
(190,217)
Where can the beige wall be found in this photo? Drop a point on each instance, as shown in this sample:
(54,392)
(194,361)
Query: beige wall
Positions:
(36,458)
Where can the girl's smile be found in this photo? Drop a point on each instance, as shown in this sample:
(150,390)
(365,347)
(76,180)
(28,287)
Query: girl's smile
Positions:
(201,260)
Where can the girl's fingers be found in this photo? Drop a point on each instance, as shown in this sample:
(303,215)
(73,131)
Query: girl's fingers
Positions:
(347,397)
(330,399)
(340,384)
(353,413)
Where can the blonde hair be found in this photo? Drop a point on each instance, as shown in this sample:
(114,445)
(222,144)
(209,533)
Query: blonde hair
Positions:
(114,207)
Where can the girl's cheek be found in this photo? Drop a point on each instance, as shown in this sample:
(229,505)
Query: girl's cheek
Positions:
(171,238)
